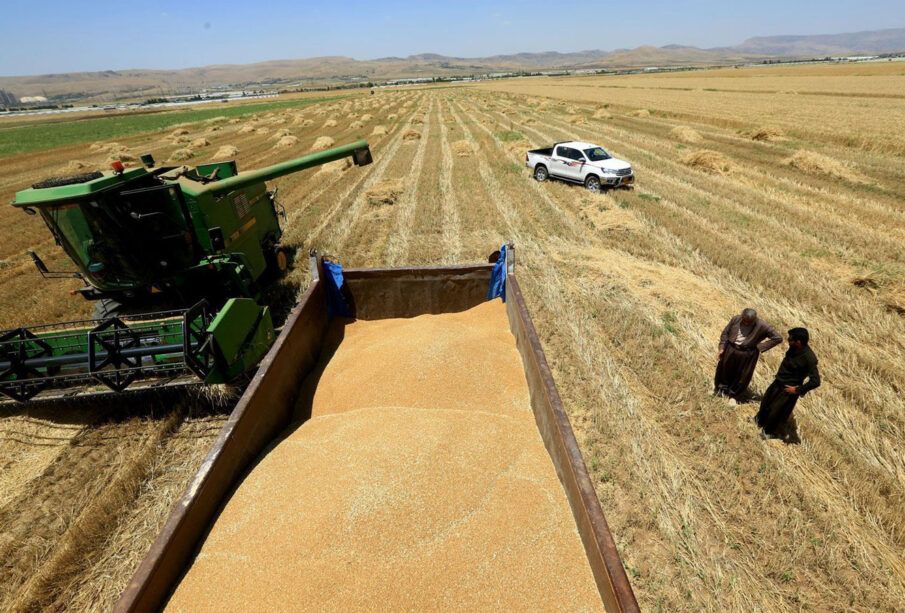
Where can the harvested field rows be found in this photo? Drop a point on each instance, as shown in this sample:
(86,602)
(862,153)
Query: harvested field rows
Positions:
(86,489)
(629,290)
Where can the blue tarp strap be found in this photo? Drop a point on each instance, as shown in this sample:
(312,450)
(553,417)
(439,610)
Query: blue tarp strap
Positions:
(498,278)
(337,305)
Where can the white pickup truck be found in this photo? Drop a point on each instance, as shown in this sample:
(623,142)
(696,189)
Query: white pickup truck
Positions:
(580,163)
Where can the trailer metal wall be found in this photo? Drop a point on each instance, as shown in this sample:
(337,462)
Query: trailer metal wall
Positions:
(556,430)
(266,408)
(264,411)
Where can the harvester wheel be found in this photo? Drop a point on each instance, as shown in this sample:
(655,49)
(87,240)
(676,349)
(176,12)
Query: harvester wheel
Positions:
(107,307)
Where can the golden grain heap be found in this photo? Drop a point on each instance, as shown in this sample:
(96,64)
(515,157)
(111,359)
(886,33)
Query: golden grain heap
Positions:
(420,482)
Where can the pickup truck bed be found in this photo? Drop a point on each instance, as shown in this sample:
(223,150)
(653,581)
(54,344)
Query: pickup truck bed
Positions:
(548,151)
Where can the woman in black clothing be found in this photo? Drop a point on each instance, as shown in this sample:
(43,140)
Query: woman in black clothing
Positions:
(797,375)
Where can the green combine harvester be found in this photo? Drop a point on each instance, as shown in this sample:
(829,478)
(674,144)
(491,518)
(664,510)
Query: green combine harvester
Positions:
(176,258)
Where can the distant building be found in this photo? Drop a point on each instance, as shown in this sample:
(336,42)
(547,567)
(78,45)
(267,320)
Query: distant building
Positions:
(8,99)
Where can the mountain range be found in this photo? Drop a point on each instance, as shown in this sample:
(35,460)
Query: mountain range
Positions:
(334,70)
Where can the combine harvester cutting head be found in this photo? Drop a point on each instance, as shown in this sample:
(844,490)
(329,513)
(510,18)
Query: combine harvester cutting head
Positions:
(199,245)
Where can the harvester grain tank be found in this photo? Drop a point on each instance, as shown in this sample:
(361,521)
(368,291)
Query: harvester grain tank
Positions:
(198,245)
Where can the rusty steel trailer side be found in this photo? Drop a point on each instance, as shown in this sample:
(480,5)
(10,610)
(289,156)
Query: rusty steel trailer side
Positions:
(266,407)
(556,430)
(263,411)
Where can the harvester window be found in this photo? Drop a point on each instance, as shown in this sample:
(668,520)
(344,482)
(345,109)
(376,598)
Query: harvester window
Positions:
(84,236)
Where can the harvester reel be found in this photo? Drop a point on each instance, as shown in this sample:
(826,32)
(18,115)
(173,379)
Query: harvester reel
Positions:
(113,337)
(17,346)
(196,342)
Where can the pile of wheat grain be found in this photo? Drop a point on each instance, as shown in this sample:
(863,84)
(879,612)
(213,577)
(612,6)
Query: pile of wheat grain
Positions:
(226,152)
(79,166)
(200,143)
(686,135)
(411,136)
(286,142)
(430,459)
(379,131)
(640,113)
(463,148)
(385,192)
(322,142)
(121,155)
(602,113)
(709,161)
(335,168)
(180,155)
(819,164)
(767,135)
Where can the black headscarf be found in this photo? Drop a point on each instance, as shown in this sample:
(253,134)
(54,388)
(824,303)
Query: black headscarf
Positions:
(799,334)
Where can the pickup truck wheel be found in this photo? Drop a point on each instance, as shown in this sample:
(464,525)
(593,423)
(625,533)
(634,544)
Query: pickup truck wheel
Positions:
(540,173)
(592,183)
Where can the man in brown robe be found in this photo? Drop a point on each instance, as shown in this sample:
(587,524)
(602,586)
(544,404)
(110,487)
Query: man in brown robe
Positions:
(744,338)
(797,375)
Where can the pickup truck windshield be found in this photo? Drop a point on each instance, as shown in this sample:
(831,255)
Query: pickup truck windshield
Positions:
(597,154)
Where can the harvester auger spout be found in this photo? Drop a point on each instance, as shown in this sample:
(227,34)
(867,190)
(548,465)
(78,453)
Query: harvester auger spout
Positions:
(358,151)
(198,244)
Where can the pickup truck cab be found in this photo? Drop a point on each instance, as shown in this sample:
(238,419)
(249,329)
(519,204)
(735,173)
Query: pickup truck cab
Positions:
(579,162)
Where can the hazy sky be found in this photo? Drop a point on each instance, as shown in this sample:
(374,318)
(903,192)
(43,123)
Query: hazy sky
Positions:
(43,36)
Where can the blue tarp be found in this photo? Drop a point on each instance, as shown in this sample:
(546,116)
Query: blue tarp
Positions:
(337,305)
(498,278)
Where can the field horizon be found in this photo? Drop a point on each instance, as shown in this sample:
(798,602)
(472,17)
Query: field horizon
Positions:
(120,84)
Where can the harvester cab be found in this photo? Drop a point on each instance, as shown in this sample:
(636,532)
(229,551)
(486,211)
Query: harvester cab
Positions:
(199,242)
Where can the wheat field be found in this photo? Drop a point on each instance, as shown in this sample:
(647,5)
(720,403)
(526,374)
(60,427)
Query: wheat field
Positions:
(777,188)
